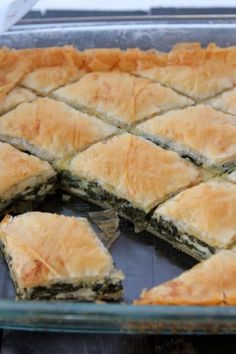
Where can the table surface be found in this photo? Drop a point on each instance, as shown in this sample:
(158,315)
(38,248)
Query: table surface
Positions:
(22,342)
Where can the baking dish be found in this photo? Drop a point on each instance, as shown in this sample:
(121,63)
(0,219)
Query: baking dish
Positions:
(144,259)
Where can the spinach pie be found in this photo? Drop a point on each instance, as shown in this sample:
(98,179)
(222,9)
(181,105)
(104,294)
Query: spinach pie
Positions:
(24,179)
(51,130)
(120,98)
(128,173)
(200,133)
(56,257)
(200,220)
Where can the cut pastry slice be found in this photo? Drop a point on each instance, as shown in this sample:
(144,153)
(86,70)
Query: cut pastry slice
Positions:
(46,79)
(225,102)
(200,220)
(119,97)
(23,178)
(50,129)
(209,283)
(198,82)
(58,257)
(201,133)
(128,173)
(14,98)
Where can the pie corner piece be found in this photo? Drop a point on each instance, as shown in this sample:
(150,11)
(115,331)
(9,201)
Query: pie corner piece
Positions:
(209,283)
(24,179)
(56,257)
(122,172)
(200,221)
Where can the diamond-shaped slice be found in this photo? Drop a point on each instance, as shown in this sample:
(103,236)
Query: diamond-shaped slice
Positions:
(200,133)
(128,173)
(119,97)
(58,257)
(51,129)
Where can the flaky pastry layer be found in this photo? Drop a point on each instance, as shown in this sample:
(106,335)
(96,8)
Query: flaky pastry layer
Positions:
(46,249)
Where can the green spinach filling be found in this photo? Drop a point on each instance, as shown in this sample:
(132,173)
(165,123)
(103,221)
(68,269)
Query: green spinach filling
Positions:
(170,233)
(28,199)
(107,290)
(101,290)
(96,193)
(197,158)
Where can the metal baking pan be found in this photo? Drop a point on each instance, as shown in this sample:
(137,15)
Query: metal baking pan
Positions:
(145,260)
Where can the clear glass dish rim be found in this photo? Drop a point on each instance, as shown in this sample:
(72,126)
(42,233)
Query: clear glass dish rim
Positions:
(123,21)
(125,311)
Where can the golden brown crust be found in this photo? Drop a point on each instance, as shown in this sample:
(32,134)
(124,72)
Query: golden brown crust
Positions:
(52,127)
(52,56)
(48,248)
(127,166)
(16,166)
(45,79)
(120,97)
(12,68)
(130,60)
(14,97)
(228,273)
(200,128)
(206,211)
(209,283)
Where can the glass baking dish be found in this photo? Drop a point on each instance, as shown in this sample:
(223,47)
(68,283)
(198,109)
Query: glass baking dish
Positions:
(146,260)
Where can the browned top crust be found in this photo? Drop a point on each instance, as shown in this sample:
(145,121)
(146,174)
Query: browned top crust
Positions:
(127,166)
(47,248)
(120,97)
(15,63)
(53,128)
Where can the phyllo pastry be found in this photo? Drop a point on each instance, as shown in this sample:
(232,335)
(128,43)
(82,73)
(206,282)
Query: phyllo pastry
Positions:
(225,102)
(119,97)
(13,67)
(50,129)
(211,282)
(128,173)
(14,97)
(58,257)
(45,79)
(23,178)
(201,133)
(196,81)
(200,220)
